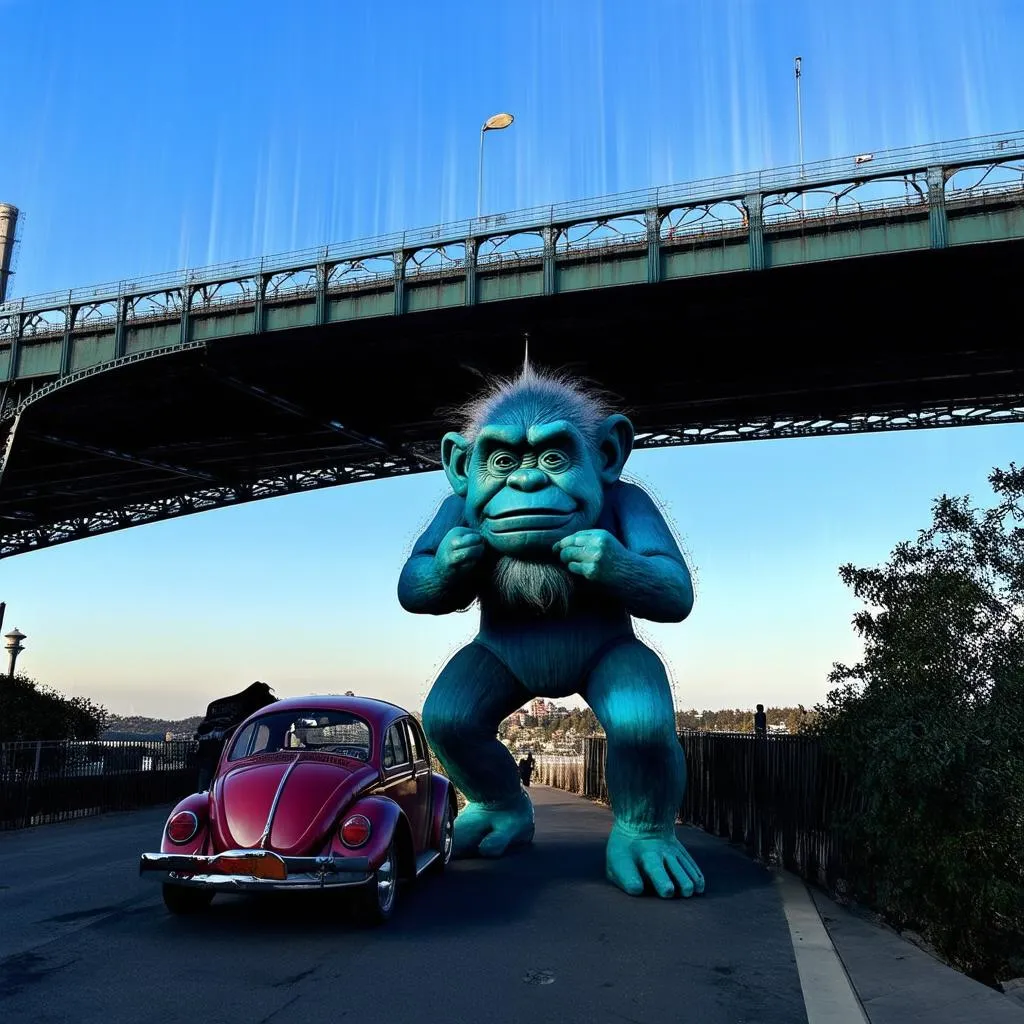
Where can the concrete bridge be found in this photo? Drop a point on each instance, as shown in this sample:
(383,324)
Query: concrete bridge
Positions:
(872,292)
(538,937)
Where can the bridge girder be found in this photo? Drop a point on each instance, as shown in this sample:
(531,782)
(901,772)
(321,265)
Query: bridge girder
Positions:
(908,340)
(202,499)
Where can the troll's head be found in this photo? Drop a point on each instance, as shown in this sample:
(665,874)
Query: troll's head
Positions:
(534,459)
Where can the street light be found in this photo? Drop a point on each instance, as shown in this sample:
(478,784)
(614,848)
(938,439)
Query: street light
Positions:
(492,124)
(800,128)
(14,647)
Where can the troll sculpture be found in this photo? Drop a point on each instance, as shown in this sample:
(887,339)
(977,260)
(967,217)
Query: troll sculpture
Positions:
(560,553)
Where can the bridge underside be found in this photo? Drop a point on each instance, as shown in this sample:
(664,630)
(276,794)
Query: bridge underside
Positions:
(910,340)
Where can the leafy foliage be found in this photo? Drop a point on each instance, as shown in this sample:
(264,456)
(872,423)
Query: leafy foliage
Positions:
(33,711)
(139,725)
(742,719)
(930,724)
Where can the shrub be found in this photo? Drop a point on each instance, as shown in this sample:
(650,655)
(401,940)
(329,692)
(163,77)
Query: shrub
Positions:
(930,724)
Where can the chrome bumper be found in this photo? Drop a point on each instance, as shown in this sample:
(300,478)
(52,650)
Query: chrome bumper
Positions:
(201,871)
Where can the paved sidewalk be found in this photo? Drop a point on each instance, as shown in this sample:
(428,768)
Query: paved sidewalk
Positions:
(898,983)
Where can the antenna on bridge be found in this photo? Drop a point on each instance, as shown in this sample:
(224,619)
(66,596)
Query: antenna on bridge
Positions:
(8,227)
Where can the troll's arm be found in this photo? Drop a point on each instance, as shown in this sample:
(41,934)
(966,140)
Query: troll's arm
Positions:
(643,568)
(438,577)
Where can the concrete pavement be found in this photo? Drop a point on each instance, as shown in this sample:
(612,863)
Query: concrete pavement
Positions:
(536,937)
(898,983)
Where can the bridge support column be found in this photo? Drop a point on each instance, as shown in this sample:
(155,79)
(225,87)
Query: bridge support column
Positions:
(653,246)
(70,313)
(754,205)
(550,236)
(471,251)
(322,273)
(186,313)
(399,258)
(19,319)
(119,319)
(938,222)
(258,320)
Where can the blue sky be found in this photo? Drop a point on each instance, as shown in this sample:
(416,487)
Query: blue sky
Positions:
(144,138)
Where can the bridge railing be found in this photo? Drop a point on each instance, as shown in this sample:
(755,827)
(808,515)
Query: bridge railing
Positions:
(48,781)
(779,796)
(832,171)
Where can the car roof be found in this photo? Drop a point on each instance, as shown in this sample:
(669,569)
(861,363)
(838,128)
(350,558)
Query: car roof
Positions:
(379,713)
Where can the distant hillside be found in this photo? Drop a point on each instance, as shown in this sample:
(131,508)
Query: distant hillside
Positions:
(136,725)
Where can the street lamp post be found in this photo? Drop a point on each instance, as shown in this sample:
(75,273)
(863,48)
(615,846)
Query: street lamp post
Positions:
(492,124)
(800,128)
(14,648)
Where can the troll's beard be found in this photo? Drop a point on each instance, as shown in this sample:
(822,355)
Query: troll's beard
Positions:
(540,587)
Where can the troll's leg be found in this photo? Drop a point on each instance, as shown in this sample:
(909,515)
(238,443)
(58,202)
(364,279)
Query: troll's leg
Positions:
(463,710)
(646,773)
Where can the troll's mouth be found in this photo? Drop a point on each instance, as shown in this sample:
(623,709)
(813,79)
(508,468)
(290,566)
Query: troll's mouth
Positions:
(534,520)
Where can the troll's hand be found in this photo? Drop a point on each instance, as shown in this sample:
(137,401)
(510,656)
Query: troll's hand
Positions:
(459,551)
(593,554)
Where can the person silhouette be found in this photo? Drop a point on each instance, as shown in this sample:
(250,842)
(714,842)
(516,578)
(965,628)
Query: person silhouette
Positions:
(760,721)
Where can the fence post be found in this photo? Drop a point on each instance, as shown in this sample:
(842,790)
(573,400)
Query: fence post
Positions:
(39,749)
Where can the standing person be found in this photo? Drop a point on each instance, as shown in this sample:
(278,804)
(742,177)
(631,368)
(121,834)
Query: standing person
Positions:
(760,722)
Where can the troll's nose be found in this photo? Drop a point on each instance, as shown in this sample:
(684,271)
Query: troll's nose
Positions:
(528,479)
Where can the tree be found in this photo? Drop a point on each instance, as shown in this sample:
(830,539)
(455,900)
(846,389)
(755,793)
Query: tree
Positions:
(930,726)
(32,711)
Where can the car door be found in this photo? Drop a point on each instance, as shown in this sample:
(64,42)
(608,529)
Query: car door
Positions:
(424,789)
(399,780)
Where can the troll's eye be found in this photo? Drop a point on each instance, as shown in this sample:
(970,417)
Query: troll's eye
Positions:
(554,461)
(502,463)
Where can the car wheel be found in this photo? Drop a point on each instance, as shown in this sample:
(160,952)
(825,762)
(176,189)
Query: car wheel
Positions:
(379,895)
(182,899)
(447,838)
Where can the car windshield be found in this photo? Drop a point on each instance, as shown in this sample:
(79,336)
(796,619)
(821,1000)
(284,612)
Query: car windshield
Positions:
(334,732)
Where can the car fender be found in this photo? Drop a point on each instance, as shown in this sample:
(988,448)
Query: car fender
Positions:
(443,793)
(387,822)
(199,805)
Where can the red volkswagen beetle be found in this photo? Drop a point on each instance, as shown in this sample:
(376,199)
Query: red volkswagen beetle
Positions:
(311,793)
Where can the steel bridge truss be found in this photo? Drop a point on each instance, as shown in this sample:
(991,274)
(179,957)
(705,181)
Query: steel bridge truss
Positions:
(421,458)
(930,180)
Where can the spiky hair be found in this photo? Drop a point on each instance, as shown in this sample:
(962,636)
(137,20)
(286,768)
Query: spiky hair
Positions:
(537,396)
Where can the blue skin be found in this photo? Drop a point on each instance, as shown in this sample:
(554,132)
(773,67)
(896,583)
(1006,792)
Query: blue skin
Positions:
(540,492)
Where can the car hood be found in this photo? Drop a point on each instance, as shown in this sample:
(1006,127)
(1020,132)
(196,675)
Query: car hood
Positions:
(298,796)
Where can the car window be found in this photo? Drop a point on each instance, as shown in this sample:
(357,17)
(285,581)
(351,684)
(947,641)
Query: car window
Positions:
(419,740)
(414,743)
(333,732)
(395,751)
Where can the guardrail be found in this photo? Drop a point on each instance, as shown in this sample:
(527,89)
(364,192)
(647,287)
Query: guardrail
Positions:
(46,781)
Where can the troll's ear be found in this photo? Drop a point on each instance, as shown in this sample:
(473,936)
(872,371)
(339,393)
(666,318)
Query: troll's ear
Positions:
(614,443)
(455,453)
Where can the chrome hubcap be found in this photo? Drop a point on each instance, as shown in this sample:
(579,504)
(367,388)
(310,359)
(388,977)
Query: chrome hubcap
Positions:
(386,883)
(449,832)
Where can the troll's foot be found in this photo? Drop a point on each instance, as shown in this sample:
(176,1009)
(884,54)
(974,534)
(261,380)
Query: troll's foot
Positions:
(490,832)
(655,858)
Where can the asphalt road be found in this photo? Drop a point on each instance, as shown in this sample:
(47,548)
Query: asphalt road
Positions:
(538,937)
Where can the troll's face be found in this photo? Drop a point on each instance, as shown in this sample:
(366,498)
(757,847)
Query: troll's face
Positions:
(536,470)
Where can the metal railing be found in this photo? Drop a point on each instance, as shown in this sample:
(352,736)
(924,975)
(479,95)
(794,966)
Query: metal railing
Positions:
(782,797)
(836,170)
(47,781)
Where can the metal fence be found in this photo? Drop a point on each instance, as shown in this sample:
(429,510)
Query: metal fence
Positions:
(780,796)
(43,781)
